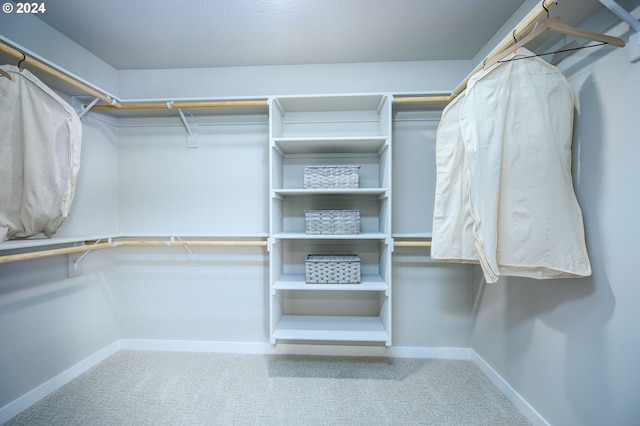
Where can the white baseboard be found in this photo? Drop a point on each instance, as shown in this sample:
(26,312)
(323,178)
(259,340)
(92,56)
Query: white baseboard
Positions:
(25,401)
(512,395)
(195,346)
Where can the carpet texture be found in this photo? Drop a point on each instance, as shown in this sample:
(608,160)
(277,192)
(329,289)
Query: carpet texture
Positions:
(178,388)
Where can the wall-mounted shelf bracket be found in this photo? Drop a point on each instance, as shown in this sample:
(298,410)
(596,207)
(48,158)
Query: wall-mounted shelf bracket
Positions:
(192,254)
(85,108)
(634,27)
(191,128)
(74,261)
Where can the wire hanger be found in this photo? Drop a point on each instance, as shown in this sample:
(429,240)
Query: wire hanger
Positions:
(555,25)
(24,57)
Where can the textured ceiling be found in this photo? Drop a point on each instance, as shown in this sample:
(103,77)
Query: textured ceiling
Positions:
(147,34)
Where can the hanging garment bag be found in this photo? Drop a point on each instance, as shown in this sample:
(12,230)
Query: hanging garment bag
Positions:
(452,237)
(516,122)
(40,140)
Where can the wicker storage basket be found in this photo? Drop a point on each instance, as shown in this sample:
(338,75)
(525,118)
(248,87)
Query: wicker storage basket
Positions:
(332,269)
(332,222)
(331,177)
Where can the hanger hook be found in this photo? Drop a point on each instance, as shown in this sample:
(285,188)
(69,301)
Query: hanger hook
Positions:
(545,8)
(515,40)
(23,58)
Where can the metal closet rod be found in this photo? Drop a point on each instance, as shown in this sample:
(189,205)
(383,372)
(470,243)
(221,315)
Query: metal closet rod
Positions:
(508,41)
(99,246)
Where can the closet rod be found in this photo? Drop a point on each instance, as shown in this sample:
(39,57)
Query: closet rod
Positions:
(176,105)
(506,42)
(422,99)
(4,47)
(412,243)
(77,249)
(509,40)
(54,252)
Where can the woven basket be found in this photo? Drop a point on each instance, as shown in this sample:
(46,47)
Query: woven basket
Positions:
(331,177)
(332,269)
(332,222)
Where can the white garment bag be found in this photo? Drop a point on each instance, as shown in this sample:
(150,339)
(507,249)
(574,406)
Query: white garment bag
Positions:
(452,238)
(515,122)
(40,140)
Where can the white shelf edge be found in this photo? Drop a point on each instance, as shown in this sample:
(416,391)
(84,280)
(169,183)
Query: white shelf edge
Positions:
(303,236)
(297,282)
(201,236)
(363,138)
(338,328)
(55,241)
(337,191)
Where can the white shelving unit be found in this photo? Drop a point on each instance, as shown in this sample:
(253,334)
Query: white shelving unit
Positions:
(330,130)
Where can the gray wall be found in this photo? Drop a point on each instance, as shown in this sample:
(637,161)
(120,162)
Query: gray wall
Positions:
(48,321)
(570,347)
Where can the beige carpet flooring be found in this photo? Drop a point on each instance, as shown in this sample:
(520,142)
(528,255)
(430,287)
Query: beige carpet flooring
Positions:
(178,388)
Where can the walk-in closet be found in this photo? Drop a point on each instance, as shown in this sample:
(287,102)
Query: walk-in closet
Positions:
(319,212)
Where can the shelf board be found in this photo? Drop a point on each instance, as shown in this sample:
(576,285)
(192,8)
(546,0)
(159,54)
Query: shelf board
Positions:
(353,191)
(47,242)
(44,242)
(303,236)
(297,282)
(305,103)
(335,145)
(338,328)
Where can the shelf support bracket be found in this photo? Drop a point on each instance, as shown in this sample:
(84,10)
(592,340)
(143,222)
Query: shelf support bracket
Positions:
(192,256)
(192,141)
(86,108)
(74,264)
